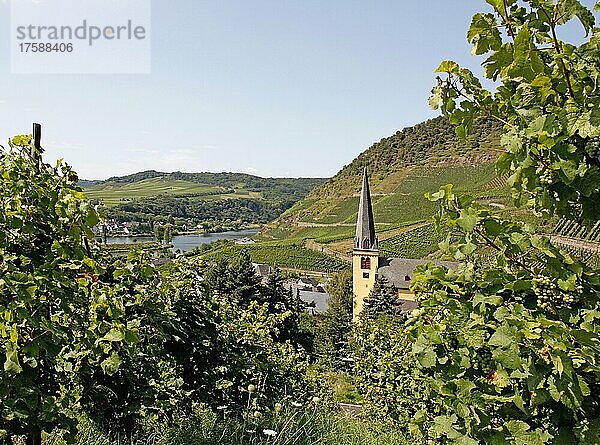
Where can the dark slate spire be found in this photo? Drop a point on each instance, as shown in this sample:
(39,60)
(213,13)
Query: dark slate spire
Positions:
(365,226)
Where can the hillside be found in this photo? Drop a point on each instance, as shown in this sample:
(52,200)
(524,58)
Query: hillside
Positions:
(430,143)
(402,168)
(194,198)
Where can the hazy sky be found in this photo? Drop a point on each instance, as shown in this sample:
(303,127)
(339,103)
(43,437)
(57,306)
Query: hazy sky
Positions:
(269,87)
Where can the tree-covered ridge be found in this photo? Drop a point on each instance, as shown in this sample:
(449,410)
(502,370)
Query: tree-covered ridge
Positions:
(192,198)
(433,142)
(402,168)
(190,208)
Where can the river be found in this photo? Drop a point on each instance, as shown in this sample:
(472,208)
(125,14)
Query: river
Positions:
(185,243)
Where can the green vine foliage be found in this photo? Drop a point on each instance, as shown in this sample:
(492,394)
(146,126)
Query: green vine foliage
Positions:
(125,378)
(506,350)
(548,101)
(63,315)
(41,227)
(116,341)
(231,339)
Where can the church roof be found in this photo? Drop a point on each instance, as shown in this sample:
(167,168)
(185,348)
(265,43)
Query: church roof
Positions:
(399,271)
(365,226)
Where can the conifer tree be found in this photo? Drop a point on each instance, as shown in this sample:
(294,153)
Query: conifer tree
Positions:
(168,235)
(334,327)
(383,300)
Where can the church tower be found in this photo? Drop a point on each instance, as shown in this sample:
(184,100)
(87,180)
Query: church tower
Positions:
(365,255)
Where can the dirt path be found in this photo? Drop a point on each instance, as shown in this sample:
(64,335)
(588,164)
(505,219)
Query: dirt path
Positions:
(351,408)
(313,245)
(307,224)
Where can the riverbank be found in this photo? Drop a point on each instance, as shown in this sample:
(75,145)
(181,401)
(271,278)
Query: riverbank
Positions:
(183,242)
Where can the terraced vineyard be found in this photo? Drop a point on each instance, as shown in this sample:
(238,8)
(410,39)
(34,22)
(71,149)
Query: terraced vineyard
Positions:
(112,194)
(406,204)
(404,208)
(498,183)
(330,221)
(284,256)
(582,240)
(464,177)
(415,243)
(584,254)
(327,234)
(575,229)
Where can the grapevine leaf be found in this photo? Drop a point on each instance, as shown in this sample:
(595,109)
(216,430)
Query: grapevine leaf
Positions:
(111,365)
(503,337)
(468,219)
(509,358)
(483,34)
(567,9)
(465,440)
(428,359)
(522,435)
(444,425)
(115,334)
(11,364)
(447,66)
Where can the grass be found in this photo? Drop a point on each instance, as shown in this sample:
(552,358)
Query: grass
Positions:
(294,426)
(417,242)
(112,194)
(399,207)
(287,256)
(343,387)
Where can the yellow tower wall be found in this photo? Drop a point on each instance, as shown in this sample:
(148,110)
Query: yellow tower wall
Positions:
(361,283)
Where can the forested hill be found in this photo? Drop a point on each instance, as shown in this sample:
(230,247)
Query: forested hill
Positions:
(433,142)
(193,198)
(402,168)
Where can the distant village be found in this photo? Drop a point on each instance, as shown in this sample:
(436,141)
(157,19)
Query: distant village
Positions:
(114,227)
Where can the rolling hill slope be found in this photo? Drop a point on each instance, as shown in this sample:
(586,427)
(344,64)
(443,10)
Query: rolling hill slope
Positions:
(114,193)
(192,198)
(402,168)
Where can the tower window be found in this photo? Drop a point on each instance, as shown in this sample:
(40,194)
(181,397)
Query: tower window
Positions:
(365,262)
(406,278)
(365,274)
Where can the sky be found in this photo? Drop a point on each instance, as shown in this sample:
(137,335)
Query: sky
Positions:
(275,88)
